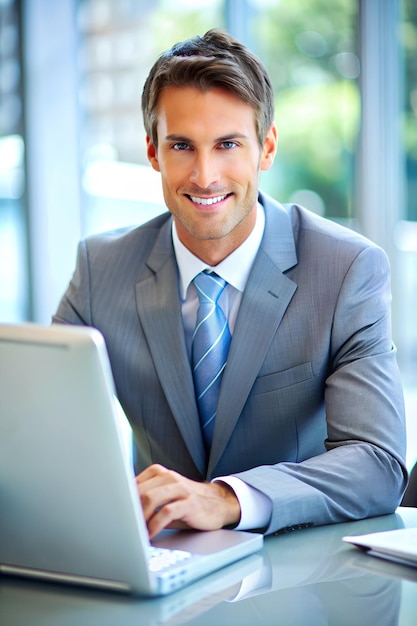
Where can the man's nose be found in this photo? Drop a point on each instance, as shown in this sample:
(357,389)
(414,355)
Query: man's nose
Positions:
(205,170)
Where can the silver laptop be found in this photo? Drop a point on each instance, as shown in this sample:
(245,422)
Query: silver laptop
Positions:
(69,510)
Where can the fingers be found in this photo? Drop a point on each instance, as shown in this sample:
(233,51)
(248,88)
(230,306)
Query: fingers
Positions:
(162,493)
(170,500)
(167,516)
(151,472)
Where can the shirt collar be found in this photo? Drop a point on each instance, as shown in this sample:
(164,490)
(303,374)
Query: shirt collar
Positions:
(235,268)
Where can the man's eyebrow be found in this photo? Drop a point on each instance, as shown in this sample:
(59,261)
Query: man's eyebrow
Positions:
(228,137)
(177,138)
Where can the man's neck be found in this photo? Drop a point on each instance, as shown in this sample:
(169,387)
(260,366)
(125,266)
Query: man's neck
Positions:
(214,251)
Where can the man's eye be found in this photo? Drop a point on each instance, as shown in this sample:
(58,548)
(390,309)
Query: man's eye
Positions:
(228,145)
(181,146)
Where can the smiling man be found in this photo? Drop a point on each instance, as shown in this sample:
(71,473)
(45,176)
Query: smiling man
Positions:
(250,341)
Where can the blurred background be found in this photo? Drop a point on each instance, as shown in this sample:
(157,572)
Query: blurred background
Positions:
(72,144)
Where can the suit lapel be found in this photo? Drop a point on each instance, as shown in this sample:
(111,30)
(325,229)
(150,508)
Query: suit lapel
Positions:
(159,310)
(266,298)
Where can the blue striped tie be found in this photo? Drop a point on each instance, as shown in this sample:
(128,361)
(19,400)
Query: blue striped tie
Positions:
(210,345)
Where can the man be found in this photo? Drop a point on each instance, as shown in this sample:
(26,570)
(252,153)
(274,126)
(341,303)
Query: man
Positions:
(308,427)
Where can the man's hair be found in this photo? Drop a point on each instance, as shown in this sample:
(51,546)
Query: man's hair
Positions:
(215,60)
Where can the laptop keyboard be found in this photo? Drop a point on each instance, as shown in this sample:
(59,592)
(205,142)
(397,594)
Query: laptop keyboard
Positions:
(163,558)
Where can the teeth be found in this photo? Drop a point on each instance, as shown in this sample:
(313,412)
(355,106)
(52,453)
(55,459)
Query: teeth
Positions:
(207,201)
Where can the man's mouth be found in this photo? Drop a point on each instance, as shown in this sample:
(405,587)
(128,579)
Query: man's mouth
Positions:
(208,201)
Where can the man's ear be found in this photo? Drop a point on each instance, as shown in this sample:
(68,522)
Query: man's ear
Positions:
(152,154)
(269,148)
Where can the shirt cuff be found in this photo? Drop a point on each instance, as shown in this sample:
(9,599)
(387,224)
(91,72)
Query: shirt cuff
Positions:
(255,506)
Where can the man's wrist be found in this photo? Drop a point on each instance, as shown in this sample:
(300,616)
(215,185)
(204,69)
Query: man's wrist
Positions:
(255,506)
(232,510)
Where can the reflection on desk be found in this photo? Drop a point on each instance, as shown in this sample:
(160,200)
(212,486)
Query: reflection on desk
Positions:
(307,578)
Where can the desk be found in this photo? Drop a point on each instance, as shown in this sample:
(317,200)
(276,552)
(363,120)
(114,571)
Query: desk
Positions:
(304,578)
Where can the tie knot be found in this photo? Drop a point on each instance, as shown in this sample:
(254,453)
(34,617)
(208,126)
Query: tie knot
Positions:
(209,286)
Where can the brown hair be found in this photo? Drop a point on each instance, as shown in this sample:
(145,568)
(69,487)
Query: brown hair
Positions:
(214,60)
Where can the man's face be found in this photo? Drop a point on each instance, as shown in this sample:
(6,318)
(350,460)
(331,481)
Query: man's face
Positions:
(210,160)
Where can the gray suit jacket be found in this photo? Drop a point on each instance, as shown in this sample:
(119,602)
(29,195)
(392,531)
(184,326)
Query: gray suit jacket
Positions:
(311,408)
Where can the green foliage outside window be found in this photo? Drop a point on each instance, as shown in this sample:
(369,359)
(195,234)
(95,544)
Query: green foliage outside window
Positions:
(310,48)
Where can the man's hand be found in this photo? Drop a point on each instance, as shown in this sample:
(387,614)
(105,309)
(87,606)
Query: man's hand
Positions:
(170,500)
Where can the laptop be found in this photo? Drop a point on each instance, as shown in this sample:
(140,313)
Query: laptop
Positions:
(399,545)
(69,510)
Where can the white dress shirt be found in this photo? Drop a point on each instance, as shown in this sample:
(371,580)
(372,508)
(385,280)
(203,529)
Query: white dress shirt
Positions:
(255,507)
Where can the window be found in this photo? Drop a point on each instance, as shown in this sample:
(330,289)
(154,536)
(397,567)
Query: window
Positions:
(14,284)
(409,43)
(119,43)
(310,49)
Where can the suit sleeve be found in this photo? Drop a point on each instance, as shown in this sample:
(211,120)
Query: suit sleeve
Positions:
(362,473)
(75,305)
